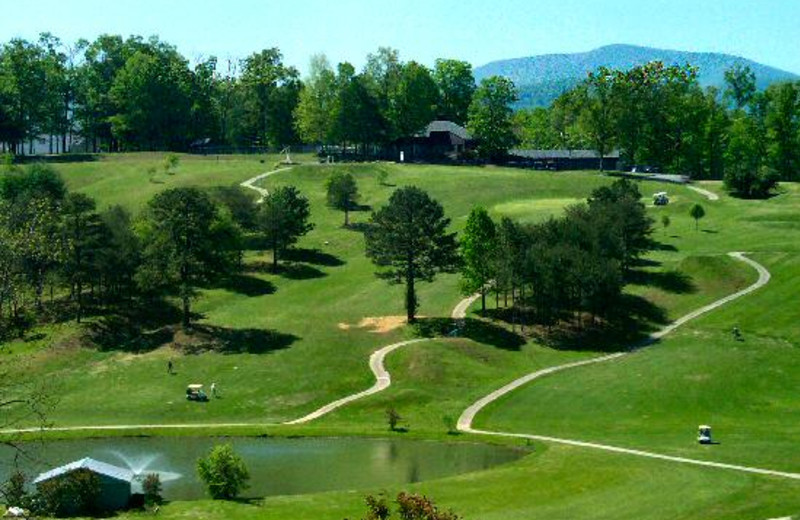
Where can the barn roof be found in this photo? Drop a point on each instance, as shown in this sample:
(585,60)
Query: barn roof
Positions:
(447,127)
(95,466)
(562,154)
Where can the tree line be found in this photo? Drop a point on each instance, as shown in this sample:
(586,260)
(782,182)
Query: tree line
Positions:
(57,250)
(130,94)
(660,116)
(563,269)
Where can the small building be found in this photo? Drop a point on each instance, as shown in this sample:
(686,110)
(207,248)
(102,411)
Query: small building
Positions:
(440,140)
(115,482)
(557,160)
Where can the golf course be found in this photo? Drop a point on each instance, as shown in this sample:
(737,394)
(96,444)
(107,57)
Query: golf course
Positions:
(316,332)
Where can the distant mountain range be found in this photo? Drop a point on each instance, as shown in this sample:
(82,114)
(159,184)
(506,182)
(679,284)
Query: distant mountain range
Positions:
(541,79)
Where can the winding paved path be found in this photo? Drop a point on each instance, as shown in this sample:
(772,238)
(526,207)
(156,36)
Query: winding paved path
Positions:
(376,363)
(702,191)
(466,419)
(263,192)
(383,381)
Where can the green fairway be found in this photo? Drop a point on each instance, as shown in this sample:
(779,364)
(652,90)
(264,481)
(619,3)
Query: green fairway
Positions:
(305,334)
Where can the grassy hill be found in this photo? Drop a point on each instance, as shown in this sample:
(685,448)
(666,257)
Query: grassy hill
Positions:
(306,343)
(541,79)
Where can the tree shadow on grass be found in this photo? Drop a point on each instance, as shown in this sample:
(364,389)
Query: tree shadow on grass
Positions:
(480,331)
(210,338)
(300,272)
(660,246)
(248,285)
(676,282)
(628,325)
(313,256)
(359,227)
(139,327)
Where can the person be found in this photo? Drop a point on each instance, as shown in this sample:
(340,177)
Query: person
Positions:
(737,334)
(169,367)
(214,389)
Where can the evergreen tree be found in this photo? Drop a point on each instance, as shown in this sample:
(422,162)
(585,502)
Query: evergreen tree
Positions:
(478,249)
(408,239)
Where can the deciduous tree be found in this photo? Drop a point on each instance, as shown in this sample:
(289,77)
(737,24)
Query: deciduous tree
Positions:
(284,218)
(186,242)
(490,117)
(478,246)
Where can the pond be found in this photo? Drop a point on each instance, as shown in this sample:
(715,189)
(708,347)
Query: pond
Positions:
(277,466)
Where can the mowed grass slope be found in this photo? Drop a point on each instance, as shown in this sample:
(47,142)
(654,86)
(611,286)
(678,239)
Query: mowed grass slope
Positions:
(308,345)
(654,399)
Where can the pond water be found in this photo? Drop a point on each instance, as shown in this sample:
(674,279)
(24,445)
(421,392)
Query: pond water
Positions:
(277,466)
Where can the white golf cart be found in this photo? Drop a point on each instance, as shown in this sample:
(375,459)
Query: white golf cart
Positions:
(704,434)
(661,198)
(195,392)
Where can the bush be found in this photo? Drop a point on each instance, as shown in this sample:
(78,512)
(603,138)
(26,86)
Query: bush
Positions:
(171,161)
(151,486)
(74,494)
(393,418)
(223,472)
(749,184)
(409,507)
(13,491)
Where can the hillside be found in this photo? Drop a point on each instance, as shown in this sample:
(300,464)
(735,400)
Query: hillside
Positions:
(541,79)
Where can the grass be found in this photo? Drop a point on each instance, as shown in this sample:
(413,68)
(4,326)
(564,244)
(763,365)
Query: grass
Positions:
(305,349)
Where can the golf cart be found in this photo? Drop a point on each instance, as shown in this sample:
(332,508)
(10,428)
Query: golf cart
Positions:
(661,198)
(704,434)
(195,393)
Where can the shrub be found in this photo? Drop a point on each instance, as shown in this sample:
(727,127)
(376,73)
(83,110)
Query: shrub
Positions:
(382,177)
(171,161)
(450,423)
(223,472)
(392,418)
(151,486)
(74,494)
(13,491)
(409,507)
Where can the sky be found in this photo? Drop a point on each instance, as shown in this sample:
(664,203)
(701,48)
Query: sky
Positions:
(767,31)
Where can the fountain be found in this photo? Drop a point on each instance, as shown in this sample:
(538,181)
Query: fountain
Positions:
(141,466)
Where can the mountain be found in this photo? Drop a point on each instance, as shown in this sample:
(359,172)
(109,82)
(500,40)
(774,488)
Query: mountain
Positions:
(541,79)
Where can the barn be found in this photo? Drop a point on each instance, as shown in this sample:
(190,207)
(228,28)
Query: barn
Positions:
(440,140)
(115,482)
(565,159)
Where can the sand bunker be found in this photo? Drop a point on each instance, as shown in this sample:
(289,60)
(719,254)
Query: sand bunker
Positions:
(379,325)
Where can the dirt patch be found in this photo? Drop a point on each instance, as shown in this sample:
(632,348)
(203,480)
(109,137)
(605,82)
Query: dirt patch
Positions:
(378,325)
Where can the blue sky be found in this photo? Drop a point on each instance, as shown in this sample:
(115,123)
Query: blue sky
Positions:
(767,31)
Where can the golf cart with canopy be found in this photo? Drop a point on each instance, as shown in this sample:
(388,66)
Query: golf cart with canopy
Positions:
(195,392)
(704,434)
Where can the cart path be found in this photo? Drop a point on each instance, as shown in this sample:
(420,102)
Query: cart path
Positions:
(383,379)
(468,416)
(263,192)
(702,191)
(376,363)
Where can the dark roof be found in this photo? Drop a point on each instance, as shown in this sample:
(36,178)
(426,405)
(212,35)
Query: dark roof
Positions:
(562,154)
(445,127)
(95,466)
